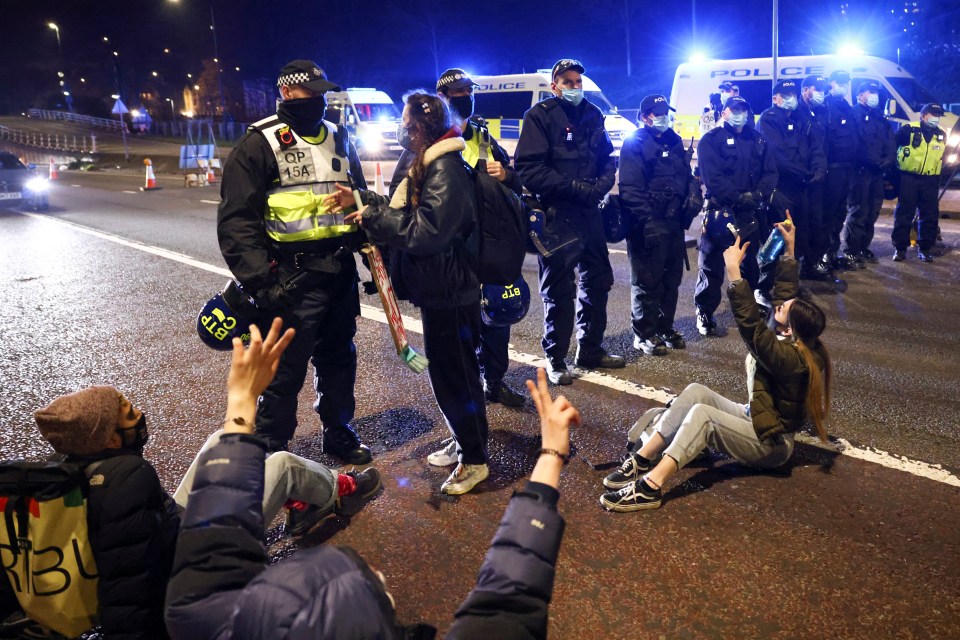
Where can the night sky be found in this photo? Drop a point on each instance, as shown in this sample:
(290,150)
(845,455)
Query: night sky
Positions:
(390,45)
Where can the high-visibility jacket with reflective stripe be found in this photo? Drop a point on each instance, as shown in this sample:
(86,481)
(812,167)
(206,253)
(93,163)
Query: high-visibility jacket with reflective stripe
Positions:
(926,159)
(309,168)
(477,135)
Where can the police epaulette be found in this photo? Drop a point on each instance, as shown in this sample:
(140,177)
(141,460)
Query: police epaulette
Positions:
(263,124)
(548,103)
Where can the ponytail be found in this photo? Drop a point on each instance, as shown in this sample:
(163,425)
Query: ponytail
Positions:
(807,321)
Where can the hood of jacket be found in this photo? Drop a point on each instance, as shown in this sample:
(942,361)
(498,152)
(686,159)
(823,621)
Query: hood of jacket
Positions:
(434,151)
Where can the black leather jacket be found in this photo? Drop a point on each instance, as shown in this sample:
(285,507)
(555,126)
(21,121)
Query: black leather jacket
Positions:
(426,265)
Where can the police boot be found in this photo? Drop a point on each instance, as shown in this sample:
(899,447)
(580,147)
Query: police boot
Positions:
(598,359)
(344,443)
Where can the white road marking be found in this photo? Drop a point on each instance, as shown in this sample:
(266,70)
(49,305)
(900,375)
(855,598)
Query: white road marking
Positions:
(129,192)
(77,185)
(621,251)
(843,447)
(211,201)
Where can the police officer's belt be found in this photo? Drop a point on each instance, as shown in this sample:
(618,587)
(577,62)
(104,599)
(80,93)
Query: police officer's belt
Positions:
(320,262)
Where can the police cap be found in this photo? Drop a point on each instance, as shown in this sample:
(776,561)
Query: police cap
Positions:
(816,81)
(932,108)
(736,103)
(454,79)
(840,77)
(873,87)
(657,104)
(305,73)
(785,86)
(728,86)
(564,65)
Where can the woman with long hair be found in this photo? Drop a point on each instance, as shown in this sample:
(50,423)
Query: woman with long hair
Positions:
(788,378)
(427,225)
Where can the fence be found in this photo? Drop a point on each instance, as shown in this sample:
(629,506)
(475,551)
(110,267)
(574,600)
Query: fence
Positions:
(224,131)
(63,116)
(57,142)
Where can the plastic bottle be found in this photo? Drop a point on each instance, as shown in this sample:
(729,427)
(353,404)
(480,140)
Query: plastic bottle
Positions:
(773,247)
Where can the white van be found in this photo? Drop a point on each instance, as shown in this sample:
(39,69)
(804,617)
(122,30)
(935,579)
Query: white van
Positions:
(902,95)
(502,101)
(369,115)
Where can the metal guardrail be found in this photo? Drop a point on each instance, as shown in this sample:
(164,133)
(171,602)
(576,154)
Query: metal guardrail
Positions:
(37,140)
(63,116)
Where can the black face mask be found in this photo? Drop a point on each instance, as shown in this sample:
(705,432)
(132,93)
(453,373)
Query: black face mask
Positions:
(136,436)
(462,105)
(302,114)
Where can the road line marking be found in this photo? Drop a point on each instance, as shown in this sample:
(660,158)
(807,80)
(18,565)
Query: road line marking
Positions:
(79,186)
(211,201)
(129,192)
(843,447)
(617,251)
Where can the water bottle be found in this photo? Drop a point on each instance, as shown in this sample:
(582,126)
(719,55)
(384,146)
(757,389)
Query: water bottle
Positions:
(773,247)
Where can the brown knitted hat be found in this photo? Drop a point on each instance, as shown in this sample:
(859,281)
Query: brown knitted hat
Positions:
(80,423)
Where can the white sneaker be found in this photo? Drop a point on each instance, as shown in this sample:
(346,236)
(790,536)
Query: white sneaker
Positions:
(446,456)
(464,478)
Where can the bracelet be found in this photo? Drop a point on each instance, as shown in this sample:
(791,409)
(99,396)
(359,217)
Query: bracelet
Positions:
(553,452)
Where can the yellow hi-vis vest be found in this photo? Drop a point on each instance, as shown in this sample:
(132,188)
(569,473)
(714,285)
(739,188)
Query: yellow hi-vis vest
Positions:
(309,169)
(925,159)
(477,144)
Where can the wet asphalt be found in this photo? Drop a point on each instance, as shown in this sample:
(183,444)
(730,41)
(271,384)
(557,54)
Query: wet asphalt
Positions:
(830,546)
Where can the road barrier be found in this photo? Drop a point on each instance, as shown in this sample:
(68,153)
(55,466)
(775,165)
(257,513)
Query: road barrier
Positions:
(39,140)
(63,116)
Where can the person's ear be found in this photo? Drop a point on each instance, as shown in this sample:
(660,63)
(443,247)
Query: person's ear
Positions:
(114,442)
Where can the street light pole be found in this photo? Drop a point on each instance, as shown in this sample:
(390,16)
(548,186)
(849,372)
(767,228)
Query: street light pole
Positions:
(63,83)
(776,33)
(216,59)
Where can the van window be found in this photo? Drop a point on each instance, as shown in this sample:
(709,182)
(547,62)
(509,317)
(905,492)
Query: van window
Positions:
(912,92)
(369,112)
(510,104)
(600,100)
(758,93)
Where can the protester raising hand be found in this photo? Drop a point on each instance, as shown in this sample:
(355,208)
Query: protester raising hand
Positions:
(251,370)
(556,416)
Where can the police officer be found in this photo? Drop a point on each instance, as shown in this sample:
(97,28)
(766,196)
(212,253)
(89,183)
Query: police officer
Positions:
(920,147)
(798,151)
(842,142)
(655,179)
(811,246)
(455,88)
(295,256)
(739,172)
(876,153)
(564,157)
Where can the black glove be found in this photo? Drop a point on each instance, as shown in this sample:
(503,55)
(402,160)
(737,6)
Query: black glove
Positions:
(274,298)
(748,201)
(585,193)
(816,176)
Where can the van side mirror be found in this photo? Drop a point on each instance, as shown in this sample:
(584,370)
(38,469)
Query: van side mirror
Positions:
(891,107)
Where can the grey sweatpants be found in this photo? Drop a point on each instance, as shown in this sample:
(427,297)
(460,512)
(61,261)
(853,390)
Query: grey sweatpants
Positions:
(700,418)
(285,475)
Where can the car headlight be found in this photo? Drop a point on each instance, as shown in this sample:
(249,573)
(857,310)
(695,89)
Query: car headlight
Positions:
(952,158)
(371,138)
(37,184)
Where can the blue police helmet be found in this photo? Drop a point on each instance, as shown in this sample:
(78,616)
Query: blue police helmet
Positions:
(225,316)
(720,225)
(502,306)
(548,235)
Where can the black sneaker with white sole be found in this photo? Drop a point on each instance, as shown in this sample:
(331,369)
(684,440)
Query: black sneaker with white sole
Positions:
(673,339)
(636,496)
(652,346)
(628,473)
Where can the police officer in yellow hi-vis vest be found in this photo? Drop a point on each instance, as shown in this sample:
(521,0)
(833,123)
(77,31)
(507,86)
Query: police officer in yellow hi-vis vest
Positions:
(920,147)
(295,257)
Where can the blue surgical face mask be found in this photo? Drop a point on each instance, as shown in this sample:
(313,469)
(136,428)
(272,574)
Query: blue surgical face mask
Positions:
(789,103)
(932,121)
(873,100)
(660,123)
(840,91)
(737,120)
(817,97)
(573,96)
(403,137)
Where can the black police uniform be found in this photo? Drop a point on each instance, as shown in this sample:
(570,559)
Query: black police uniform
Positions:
(842,142)
(731,165)
(798,152)
(877,152)
(812,241)
(564,158)
(494,350)
(654,181)
(326,307)
(919,193)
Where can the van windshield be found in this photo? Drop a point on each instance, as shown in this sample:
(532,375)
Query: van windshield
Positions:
(912,92)
(368,112)
(600,100)
(505,104)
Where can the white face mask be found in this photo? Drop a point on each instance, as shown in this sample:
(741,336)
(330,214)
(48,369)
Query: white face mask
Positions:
(816,98)
(724,96)
(873,100)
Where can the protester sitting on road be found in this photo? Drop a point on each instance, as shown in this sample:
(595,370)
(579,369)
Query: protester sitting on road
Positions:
(427,224)
(222,587)
(788,377)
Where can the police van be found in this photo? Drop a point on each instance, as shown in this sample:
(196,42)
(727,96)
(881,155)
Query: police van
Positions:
(502,101)
(901,95)
(370,116)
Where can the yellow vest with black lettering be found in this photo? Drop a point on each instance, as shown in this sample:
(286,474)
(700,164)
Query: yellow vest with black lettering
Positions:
(309,169)
(479,137)
(926,159)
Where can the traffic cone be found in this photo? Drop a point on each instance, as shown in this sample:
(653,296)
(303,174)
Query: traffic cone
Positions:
(53,170)
(378,185)
(151,181)
(211,176)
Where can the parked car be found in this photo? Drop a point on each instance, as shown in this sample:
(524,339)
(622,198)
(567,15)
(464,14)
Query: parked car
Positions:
(20,184)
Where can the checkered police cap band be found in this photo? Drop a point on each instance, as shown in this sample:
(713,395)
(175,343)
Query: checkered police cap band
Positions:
(445,80)
(292,79)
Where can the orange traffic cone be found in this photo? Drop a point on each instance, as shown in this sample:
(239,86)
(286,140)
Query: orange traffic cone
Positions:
(53,170)
(211,176)
(151,181)
(378,185)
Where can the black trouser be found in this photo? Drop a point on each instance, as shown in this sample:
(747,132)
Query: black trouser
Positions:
(836,191)
(814,243)
(325,319)
(493,354)
(918,195)
(863,209)
(656,248)
(450,339)
(712,270)
(562,295)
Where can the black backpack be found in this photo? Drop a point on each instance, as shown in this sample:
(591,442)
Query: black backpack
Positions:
(499,242)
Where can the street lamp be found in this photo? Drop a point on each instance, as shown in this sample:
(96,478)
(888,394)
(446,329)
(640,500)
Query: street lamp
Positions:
(173,108)
(66,92)
(57,29)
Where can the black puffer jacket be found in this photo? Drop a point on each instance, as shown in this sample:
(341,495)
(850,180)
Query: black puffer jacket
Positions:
(428,263)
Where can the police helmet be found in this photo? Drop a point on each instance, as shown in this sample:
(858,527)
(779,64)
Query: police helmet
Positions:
(615,227)
(502,306)
(226,316)
(721,225)
(546,234)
